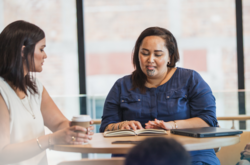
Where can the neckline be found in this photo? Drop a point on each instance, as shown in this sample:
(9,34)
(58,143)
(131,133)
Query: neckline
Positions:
(177,68)
(23,101)
(13,90)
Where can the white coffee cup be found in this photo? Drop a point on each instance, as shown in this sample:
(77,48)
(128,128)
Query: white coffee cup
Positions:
(81,120)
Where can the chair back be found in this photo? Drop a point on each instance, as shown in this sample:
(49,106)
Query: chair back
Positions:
(231,154)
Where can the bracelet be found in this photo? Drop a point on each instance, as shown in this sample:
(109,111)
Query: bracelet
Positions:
(39,144)
(49,141)
(175,124)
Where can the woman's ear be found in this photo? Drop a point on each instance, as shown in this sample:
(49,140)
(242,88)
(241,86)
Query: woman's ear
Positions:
(22,54)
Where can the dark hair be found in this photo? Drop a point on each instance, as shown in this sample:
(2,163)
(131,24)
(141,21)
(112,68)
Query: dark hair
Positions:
(13,37)
(138,77)
(158,151)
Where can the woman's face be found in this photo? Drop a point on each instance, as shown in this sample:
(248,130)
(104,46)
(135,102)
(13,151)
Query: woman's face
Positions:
(153,57)
(39,55)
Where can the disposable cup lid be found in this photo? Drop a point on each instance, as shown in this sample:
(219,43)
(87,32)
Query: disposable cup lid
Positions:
(81,118)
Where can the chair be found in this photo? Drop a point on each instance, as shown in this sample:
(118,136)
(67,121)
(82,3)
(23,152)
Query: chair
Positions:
(111,161)
(231,154)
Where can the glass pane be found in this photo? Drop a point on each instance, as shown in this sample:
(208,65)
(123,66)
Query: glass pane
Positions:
(58,20)
(60,71)
(205,32)
(233,103)
(246,37)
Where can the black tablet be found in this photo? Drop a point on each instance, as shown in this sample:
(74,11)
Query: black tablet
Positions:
(206,132)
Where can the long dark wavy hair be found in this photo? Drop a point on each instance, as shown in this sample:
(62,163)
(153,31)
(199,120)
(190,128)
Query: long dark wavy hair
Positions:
(13,37)
(138,77)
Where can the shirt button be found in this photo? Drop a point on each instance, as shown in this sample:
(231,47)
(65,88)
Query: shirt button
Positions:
(167,96)
(139,99)
(122,100)
(185,95)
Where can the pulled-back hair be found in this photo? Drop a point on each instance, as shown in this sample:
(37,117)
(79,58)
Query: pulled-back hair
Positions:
(13,37)
(138,77)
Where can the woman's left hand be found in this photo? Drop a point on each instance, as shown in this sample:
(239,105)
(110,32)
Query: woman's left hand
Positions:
(159,124)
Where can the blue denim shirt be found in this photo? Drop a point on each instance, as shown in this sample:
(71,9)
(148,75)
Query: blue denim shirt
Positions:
(184,96)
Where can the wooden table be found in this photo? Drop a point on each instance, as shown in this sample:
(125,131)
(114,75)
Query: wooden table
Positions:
(99,144)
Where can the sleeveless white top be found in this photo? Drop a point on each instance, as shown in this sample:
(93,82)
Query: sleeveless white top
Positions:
(23,126)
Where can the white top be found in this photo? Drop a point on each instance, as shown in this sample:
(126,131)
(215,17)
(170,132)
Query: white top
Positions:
(23,126)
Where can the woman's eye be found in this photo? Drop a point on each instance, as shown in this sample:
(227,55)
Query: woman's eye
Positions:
(158,55)
(41,50)
(145,54)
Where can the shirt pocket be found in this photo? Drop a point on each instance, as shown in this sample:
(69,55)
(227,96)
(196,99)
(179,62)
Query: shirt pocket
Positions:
(173,102)
(131,106)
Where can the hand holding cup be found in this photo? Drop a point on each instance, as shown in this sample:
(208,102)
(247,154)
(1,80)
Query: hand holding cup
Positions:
(84,122)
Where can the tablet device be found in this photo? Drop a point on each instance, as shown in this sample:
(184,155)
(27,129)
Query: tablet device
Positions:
(206,132)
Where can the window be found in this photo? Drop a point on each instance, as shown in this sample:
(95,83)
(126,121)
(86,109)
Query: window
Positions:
(205,33)
(60,71)
(58,20)
(246,42)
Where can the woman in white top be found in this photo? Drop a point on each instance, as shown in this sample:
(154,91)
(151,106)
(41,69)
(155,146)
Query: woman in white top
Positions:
(25,105)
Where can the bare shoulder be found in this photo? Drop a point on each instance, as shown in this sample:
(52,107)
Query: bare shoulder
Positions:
(3,108)
(4,124)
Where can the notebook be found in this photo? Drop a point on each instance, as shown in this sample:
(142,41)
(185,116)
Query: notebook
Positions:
(141,132)
(206,132)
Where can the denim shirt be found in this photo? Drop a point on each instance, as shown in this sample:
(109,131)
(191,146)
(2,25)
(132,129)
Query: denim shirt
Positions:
(185,95)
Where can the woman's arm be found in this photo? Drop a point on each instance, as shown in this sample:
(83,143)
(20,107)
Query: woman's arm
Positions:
(177,124)
(201,100)
(52,116)
(111,110)
(201,104)
(112,114)
(11,153)
(60,125)
(188,123)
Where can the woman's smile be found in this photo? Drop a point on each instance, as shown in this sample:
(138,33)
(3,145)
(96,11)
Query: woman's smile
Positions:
(151,67)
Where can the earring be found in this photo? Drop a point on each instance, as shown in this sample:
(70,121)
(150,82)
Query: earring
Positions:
(168,63)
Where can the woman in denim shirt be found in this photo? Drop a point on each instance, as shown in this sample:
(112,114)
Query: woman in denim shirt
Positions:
(160,95)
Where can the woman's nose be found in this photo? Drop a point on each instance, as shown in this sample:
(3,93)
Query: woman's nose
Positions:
(151,58)
(45,56)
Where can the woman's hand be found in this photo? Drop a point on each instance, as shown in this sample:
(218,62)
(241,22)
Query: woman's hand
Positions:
(73,135)
(131,125)
(159,124)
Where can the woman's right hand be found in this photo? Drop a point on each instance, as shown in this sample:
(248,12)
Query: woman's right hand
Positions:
(159,124)
(135,125)
(69,136)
